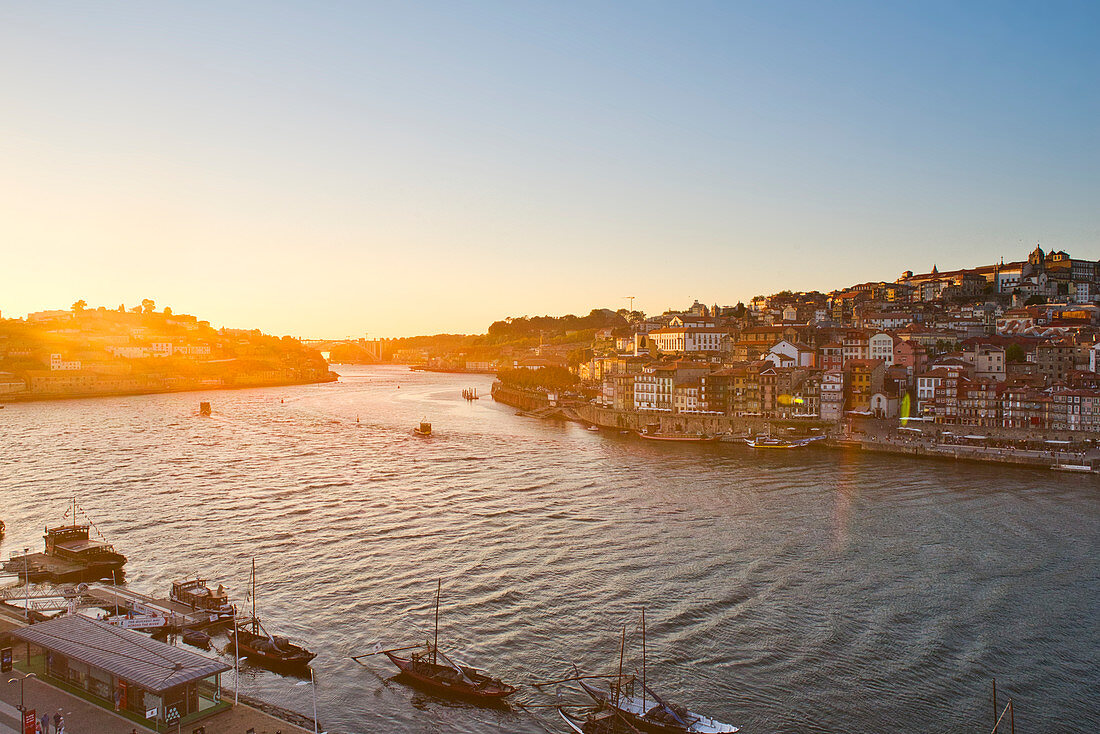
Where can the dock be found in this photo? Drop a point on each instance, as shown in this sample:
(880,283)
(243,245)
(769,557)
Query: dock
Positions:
(42,567)
(144,607)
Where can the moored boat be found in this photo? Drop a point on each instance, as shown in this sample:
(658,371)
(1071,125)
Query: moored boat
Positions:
(256,643)
(605,721)
(70,554)
(648,712)
(682,437)
(196,594)
(431,668)
(652,714)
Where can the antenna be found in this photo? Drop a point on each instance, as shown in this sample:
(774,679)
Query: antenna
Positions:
(631,299)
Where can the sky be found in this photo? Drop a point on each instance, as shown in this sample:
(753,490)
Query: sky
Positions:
(385,169)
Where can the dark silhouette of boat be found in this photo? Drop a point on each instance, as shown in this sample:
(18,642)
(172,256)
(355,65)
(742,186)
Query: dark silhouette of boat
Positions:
(253,641)
(605,721)
(433,669)
(424,429)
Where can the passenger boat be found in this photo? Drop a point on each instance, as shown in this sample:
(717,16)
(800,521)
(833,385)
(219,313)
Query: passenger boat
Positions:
(197,595)
(682,437)
(256,643)
(434,669)
(649,712)
(424,429)
(71,554)
(776,442)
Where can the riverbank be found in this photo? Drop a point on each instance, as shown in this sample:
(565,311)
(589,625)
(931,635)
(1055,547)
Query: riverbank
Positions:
(39,397)
(876,438)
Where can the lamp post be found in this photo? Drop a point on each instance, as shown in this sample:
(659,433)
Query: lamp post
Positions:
(22,707)
(27,583)
(312,683)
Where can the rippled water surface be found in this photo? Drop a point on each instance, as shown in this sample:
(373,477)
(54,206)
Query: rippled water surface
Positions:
(796,592)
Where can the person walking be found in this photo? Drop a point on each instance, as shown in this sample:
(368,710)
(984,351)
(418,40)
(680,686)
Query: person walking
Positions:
(45,723)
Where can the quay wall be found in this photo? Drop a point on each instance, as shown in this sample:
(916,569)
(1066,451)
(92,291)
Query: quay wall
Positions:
(874,441)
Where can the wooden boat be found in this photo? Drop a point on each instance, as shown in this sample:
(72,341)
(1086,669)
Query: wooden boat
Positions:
(197,595)
(71,554)
(204,408)
(196,638)
(681,437)
(606,721)
(253,641)
(433,669)
(649,712)
(775,442)
(424,429)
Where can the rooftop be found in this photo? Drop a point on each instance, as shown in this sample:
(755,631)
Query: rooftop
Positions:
(153,665)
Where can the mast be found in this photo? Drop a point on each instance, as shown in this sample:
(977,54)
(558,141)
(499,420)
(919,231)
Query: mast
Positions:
(255,622)
(643,661)
(435,644)
(619,680)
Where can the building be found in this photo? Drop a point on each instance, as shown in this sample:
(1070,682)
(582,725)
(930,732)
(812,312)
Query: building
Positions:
(123,670)
(832,395)
(881,346)
(1055,359)
(865,378)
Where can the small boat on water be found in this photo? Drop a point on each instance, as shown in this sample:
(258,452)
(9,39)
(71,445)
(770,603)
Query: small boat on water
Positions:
(256,643)
(3,528)
(204,408)
(681,437)
(197,595)
(605,721)
(432,668)
(648,712)
(776,442)
(593,428)
(424,429)
(196,638)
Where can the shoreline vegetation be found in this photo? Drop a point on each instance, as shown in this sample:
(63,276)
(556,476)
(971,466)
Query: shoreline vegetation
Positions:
(84,352)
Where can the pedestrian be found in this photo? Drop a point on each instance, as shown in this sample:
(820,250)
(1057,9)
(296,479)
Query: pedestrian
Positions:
(45,723)
(57,723)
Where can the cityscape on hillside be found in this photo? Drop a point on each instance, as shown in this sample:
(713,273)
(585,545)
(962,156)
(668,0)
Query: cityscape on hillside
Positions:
(99,351)
(1012,345)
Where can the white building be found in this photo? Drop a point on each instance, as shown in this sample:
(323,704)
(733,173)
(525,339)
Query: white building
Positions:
(881,346)
(688,339)
(790,354)
(832,395)
(57,362)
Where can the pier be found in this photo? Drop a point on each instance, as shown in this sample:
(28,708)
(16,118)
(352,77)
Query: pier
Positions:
(43,599)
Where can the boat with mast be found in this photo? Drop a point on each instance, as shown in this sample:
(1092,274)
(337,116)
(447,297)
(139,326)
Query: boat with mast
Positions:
(70,553)
(252,639)
(649,712)
(605,721)
(447,677)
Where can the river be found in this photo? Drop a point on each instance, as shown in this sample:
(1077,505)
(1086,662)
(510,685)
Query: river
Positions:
(810,591)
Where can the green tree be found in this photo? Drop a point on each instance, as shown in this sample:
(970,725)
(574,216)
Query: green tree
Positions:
(1035,300)
(1015,354)
(80,306)
(148,304)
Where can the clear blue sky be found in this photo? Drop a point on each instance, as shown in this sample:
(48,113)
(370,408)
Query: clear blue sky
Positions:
(398,168)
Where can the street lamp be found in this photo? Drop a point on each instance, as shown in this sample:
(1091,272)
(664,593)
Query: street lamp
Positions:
(27,581)
(22,708)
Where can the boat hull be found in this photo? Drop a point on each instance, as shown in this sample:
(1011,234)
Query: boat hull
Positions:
(640,715)
(252,646)
(444,679)
(678,439)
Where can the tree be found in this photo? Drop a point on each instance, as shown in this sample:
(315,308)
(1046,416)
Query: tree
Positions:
(167,310)
(80,306)
(148,304)
(135,309)
(1035,300)
(1015,354)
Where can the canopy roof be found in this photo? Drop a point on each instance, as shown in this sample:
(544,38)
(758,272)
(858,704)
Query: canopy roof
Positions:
(135,658)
